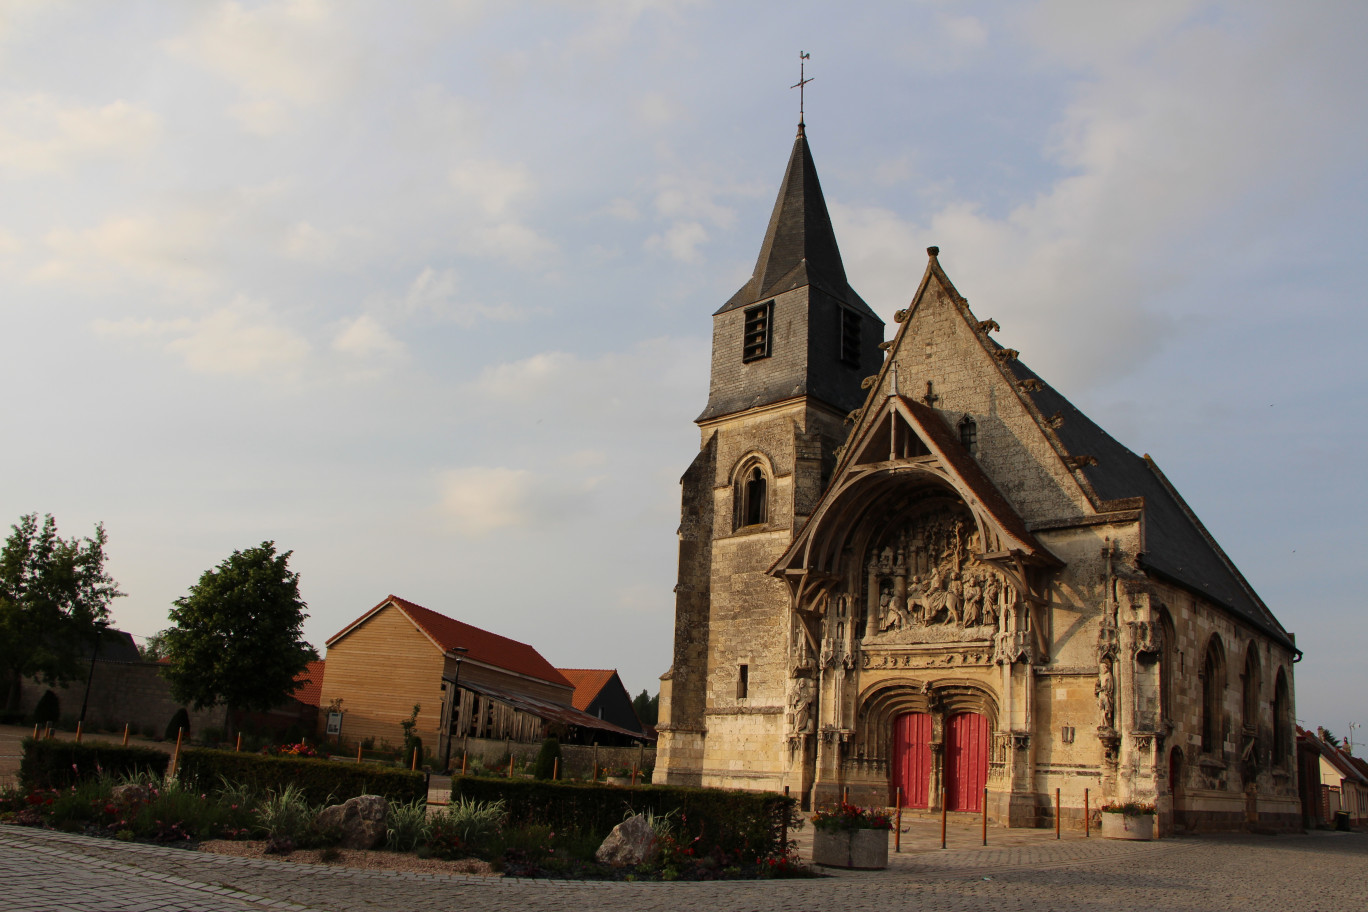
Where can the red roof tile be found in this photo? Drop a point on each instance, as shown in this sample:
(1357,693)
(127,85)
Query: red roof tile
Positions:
(481,645)
(588,683)
(310,682)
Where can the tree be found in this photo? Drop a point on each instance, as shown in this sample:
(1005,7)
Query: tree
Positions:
(647,707)
(238,637)
(54,603)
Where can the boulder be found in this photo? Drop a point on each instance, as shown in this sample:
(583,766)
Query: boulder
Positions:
(632,842)
(360,821)
(131,793)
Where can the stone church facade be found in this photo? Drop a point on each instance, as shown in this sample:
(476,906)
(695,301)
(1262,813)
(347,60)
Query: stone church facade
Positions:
(912,569)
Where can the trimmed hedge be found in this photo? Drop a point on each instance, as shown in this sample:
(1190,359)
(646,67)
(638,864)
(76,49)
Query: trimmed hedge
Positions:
(744,826)
(58,764)
(322,781)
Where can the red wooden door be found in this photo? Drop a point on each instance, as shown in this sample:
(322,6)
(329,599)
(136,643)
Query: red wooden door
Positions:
(966,761)
(912,758)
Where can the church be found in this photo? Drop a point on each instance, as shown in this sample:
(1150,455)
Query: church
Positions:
(911,570)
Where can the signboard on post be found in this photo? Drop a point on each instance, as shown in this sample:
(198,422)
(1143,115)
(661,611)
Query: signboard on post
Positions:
(334,723)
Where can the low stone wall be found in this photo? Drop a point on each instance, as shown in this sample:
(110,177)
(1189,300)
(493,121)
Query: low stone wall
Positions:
(120,692)
(578,760)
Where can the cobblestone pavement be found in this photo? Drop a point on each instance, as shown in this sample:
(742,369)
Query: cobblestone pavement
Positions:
(55,872)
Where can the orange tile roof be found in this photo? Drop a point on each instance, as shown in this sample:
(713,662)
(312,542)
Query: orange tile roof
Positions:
(481,645)
(310,682)
(588,683)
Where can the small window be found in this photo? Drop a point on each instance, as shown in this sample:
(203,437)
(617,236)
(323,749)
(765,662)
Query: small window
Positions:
(968,431)
(743,682)
(756,343)
(755,498)
(850,337)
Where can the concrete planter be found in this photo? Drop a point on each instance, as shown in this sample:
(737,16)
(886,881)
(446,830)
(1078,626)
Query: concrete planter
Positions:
(865,850)
(1127,826)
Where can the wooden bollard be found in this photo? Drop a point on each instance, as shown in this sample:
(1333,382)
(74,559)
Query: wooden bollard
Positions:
(845,794)
(237,747)
(985,815)
(415,759)
(593,777)
(125,740)
(634,773)
(897,827)
(78,731)
(510,766)
(359,749)
(175,758)
(463,762)
(1056,813)
(35,731)
(943,812)
(1087,816)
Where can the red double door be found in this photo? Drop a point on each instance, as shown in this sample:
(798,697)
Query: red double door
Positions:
(966,760)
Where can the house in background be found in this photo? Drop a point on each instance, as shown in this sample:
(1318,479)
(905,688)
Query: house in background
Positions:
(1332,781)
(600,693)
(399,655)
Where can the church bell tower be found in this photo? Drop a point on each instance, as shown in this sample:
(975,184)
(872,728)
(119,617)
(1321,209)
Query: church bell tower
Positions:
(789,352)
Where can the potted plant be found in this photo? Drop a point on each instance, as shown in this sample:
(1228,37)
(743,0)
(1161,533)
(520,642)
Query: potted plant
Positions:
(1127,820)
(848,836)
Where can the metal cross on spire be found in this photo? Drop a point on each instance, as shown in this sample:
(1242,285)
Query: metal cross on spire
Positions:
(803,57)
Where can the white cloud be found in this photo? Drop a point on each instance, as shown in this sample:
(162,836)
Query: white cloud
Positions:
(305,242)
(681,241)
(171,250)
(492,191)
(40,133)
(283,57)
(479,500)
(242,338)
(364,337)
(491,185)
(435,294)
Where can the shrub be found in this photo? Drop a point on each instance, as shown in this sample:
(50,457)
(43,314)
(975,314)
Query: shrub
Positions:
(547,759)
(732,825)
(181,720)
(462,824)
(851,817)
(287,814)
(320,781)
(49,709)
(407,825)
(58,764)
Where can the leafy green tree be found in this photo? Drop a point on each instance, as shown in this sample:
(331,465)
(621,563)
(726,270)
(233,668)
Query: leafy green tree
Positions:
(238,637)
(647,707)
(54,603)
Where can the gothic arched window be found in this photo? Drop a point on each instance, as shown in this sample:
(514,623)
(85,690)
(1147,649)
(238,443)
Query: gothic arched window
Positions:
(1251,684)
(751,494)
(968,434)
(1213,695)
(1282,720)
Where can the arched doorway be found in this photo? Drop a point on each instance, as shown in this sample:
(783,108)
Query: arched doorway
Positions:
(966,761)
(912,758)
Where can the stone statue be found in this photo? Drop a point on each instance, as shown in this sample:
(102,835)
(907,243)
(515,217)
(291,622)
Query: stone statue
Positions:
(1106,694)
(800,705)
(973,593)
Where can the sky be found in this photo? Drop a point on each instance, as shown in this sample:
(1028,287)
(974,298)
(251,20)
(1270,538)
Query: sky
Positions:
(422,291)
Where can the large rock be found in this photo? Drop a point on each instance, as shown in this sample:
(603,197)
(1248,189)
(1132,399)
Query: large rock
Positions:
(131,793)
(360,820)
(631,843)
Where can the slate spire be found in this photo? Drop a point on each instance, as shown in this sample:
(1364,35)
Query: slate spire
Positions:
(800,244)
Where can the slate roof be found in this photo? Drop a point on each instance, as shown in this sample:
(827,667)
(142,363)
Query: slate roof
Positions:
(800,244)
(117,646)
(1176,546)
(588,683)
(310,682)
(481,645)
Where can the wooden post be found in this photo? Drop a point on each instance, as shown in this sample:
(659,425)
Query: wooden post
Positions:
(464,754)
(35,731)
(415,759)
(555,768)
(175,758)
(897,826)
(78,731)
(634,772)
(359,750)
(943,810)
(510,765)
(985,815)
(783,833)
(1087,816)
(237,748)
(125,740)
(1056,813)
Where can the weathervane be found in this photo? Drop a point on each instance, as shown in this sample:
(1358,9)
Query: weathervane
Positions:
(803,57)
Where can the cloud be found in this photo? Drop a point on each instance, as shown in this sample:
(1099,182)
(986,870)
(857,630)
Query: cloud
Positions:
(39,133)
(435,294)
(364,337)
(242,338)
(681,241)
(305,242)
(492,191)
(283,57)
(171,250)
(479,500)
